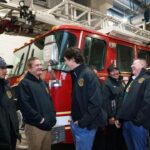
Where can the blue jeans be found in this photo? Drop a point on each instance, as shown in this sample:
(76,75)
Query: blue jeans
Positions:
(136,137)
(83,138)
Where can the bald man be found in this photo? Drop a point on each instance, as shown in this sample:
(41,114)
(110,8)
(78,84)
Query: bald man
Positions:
(135,111)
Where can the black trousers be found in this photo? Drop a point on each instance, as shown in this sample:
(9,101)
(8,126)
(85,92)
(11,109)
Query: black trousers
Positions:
(100,139)
(11,146)
(109,138)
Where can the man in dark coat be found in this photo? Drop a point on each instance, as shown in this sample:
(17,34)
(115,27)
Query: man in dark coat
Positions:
(87,101)
(113,89)
(9,126)
(36,106)
(135,110)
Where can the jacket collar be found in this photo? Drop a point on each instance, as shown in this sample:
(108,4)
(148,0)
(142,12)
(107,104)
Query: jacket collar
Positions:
(143,71)
(76,72)
(32,77)
(113,79)
(3,82)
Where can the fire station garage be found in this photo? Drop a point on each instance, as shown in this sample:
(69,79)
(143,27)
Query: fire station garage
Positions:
(111,35)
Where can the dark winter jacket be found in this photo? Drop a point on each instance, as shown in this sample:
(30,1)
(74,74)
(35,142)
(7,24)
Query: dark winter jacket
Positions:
(35,102)
(113,95)
(87,99)
(9,125)
(136,103)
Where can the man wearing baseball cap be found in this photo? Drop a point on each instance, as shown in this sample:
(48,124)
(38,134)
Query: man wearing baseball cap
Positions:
(113,89)
(111,68)
(3,64)
(9,126)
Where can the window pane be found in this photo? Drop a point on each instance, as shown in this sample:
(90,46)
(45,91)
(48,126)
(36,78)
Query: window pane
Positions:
(20,57)
(36,51)
(144,55)
(94,52)
(87,47)
(124,58)
(62,40)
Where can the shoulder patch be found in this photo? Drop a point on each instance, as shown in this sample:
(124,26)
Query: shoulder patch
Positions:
(81,82)
(141,80)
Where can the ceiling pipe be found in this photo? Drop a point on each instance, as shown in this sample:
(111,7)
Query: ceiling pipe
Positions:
(126,6)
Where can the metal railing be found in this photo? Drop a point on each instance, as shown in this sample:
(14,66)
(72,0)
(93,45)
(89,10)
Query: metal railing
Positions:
(70,12)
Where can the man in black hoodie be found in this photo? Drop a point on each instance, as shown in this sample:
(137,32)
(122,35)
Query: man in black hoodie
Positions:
(36,106)
(87,101)
(135,110)
(9,125)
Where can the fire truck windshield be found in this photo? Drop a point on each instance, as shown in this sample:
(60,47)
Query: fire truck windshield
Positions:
(48,48)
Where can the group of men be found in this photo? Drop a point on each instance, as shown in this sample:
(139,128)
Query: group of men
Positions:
(104,116)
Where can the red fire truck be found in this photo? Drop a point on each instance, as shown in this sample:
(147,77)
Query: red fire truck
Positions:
(98,49)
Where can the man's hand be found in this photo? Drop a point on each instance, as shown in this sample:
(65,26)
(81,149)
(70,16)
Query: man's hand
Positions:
(117,124)
(42,120)
(76,122)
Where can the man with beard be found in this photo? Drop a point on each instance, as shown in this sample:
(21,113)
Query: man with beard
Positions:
(37,107)
(135,110)
(9,125)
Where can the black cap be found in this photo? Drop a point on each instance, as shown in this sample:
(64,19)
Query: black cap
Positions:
(111,68)
(3,64)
